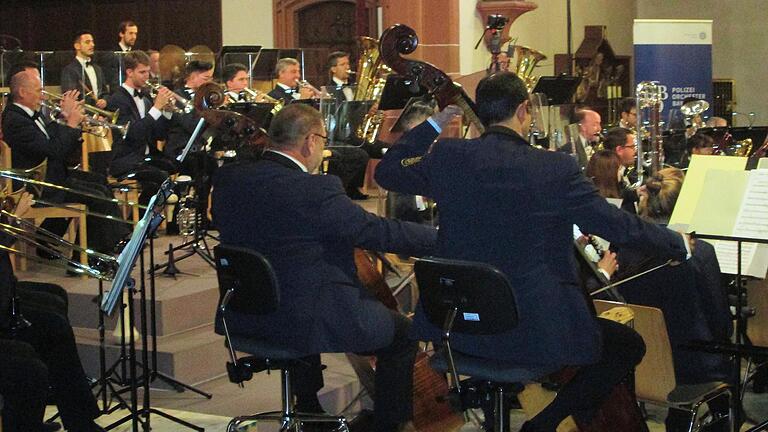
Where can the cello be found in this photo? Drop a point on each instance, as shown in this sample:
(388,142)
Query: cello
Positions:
(620,411)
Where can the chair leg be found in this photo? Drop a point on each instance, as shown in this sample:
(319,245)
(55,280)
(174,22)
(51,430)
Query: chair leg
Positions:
(500,418)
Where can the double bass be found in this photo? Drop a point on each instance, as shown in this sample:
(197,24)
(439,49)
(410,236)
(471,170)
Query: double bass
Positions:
(620,411)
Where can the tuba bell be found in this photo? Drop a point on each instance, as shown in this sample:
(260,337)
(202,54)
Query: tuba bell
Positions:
(372,75)
(527,58)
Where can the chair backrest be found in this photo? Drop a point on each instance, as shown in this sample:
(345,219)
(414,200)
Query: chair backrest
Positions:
(483,294)
(250,276)
(655,375)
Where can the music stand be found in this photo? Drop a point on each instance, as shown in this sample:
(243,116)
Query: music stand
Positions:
(559,90)
(348,117)
(398,91)
(259,112)
(245,54)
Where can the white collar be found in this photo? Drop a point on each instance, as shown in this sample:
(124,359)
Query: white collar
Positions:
(26,109)
(83,61)
(123,46)
(296,161)
(339,82)
(130,89)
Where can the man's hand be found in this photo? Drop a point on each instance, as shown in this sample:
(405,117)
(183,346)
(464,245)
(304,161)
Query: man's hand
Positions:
(163,97)
(305,93)
(608,263)
(446,115)
(71,108)
(101,103)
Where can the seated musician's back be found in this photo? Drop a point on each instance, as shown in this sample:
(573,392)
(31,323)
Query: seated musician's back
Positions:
(308,228)
(509,204)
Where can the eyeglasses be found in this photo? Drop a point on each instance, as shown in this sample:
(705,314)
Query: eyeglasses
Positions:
(323,137)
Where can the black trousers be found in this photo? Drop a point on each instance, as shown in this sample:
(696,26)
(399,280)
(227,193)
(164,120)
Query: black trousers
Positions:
(103,234)
(622,350)
(24,386)
(393,398)
(52,338)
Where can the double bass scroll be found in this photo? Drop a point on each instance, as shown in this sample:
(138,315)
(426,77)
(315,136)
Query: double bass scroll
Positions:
(401,39)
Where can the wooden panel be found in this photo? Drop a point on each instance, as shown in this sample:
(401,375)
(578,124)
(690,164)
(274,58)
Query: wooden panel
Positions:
(49,25)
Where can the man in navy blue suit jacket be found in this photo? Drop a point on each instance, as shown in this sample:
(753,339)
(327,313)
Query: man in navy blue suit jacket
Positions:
(308,228)
(506,203)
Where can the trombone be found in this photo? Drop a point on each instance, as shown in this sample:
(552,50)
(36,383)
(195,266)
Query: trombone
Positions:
(105,265)
(19,176)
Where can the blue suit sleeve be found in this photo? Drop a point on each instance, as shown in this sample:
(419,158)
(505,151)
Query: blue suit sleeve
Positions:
(340,219)
(593,214)
(405,167)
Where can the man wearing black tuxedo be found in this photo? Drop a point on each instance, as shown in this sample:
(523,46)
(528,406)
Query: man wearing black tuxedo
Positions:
(34,139)
(127,33)
(137,153)
(340,82)
(83,74)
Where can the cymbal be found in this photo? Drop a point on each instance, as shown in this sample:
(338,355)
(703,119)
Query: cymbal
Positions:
(693,108)
(202,53)
(172,61)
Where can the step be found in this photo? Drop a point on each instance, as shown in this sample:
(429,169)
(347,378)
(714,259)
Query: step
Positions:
(191,357)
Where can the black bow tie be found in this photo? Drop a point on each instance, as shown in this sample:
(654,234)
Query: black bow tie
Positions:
(139,94)
(88,64)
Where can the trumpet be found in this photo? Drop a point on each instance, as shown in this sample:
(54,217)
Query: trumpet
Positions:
(93,110)
(307,85)
(257,96)
(91,125)
(180,104)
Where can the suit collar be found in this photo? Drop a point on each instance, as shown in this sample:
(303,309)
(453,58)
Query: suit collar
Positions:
(132,102)
(503,130)
(283,159)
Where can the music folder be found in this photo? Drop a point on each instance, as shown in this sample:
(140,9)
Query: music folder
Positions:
(559,90)
(398,91)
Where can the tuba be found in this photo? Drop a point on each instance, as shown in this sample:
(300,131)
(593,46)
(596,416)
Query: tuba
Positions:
(527,58)
(372,76)
(650,155)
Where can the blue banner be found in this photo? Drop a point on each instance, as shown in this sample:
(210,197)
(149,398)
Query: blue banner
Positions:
(678,55)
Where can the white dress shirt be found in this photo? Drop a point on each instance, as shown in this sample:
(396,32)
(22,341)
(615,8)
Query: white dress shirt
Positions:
(91,72)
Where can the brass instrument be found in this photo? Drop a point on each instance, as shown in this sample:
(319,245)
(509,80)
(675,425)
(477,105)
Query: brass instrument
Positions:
(21,176)
(692,112)
(527,58)
(93,110)
(372,76)
(648,99)
(92,125)
(179,104)
(257,96)
(305,84)
(104,266)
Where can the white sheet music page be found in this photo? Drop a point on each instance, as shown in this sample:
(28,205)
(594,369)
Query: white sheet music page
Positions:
(751,222)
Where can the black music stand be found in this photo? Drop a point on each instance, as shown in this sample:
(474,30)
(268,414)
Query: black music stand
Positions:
(349,116)
(559,90)
(144,231)
(398,91)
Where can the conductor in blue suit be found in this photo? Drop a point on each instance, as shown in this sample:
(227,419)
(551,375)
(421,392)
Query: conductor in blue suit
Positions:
(506,203)
(308,227)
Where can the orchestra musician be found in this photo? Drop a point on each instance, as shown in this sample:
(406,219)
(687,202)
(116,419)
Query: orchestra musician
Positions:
(127,33)
(288,73)
(154,66)
(235,77)
(622,142)
(34,139)
(628,114)
(307,228)
(589,133)
(138,152)
(83,74)
(338,67)
(529,200)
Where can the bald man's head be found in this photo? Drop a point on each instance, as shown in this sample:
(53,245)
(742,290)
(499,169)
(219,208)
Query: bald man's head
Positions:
(26,88)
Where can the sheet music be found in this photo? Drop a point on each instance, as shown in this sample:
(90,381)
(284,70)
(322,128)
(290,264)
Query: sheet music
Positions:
(751,222)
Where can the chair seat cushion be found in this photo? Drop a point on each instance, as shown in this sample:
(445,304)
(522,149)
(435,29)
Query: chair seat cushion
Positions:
(489,369)
(263,349)
(689,394)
